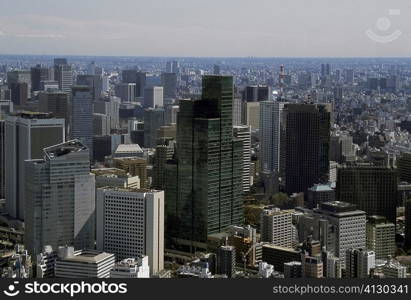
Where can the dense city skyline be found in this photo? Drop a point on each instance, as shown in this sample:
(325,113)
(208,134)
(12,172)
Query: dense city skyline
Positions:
(205,139)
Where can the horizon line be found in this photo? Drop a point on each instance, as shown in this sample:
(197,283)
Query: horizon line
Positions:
(213,57)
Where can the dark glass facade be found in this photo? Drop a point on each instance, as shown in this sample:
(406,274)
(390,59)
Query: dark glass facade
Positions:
(372,189)
(307,145)
(209,166)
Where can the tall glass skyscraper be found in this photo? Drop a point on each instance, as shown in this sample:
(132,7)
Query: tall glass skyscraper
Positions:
(209,167)
(82,107)
(307,145)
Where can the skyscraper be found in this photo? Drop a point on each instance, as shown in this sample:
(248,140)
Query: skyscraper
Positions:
(153,97)
(153,120)
(130,223)
(125,91)
(19,83)
(63,74)
(139,78)
(209,167)
(57,103)
(372,189)
(94,82)
(60,199)
(82,108)
(169,83)
(271,130)
(26,135)
(2,159)
(38,74)
(243,133)
(307,145)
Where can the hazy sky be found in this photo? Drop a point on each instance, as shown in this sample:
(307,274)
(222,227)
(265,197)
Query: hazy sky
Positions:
(206,27)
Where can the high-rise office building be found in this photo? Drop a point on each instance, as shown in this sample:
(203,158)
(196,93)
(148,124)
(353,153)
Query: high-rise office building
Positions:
(6,107)
(153,97)
(82,107)
(153,120)
(164,152)
(60,199)
(372,189)
(38,74)
(237,111)
(125,91)
(337,225)
(341,148)
(307,145)
(63,74)
(173,67)
(404,166)
(130,223)
(226,261)
(358,263)
(209,168)
(169,83)
(381,237)
(251,114)
(19,83)
(243,133)
(101,124)
(170,116)
(139,78)
(94,82)
(257,93)
(109,106)
(57,103)
(2,159)
(271,131)
(277,227)
(26,134)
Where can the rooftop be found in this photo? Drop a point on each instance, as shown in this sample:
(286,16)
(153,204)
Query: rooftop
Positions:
(64,149)
(88,256)
(127,148)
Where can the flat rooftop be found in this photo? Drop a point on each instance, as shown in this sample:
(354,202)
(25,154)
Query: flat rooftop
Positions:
(64,149)
(127,148)
(88,256)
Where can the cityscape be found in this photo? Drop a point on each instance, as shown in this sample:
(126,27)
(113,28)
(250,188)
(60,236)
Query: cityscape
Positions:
(159,166)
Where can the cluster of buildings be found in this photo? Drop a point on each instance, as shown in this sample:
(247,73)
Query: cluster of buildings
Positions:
(213,173)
